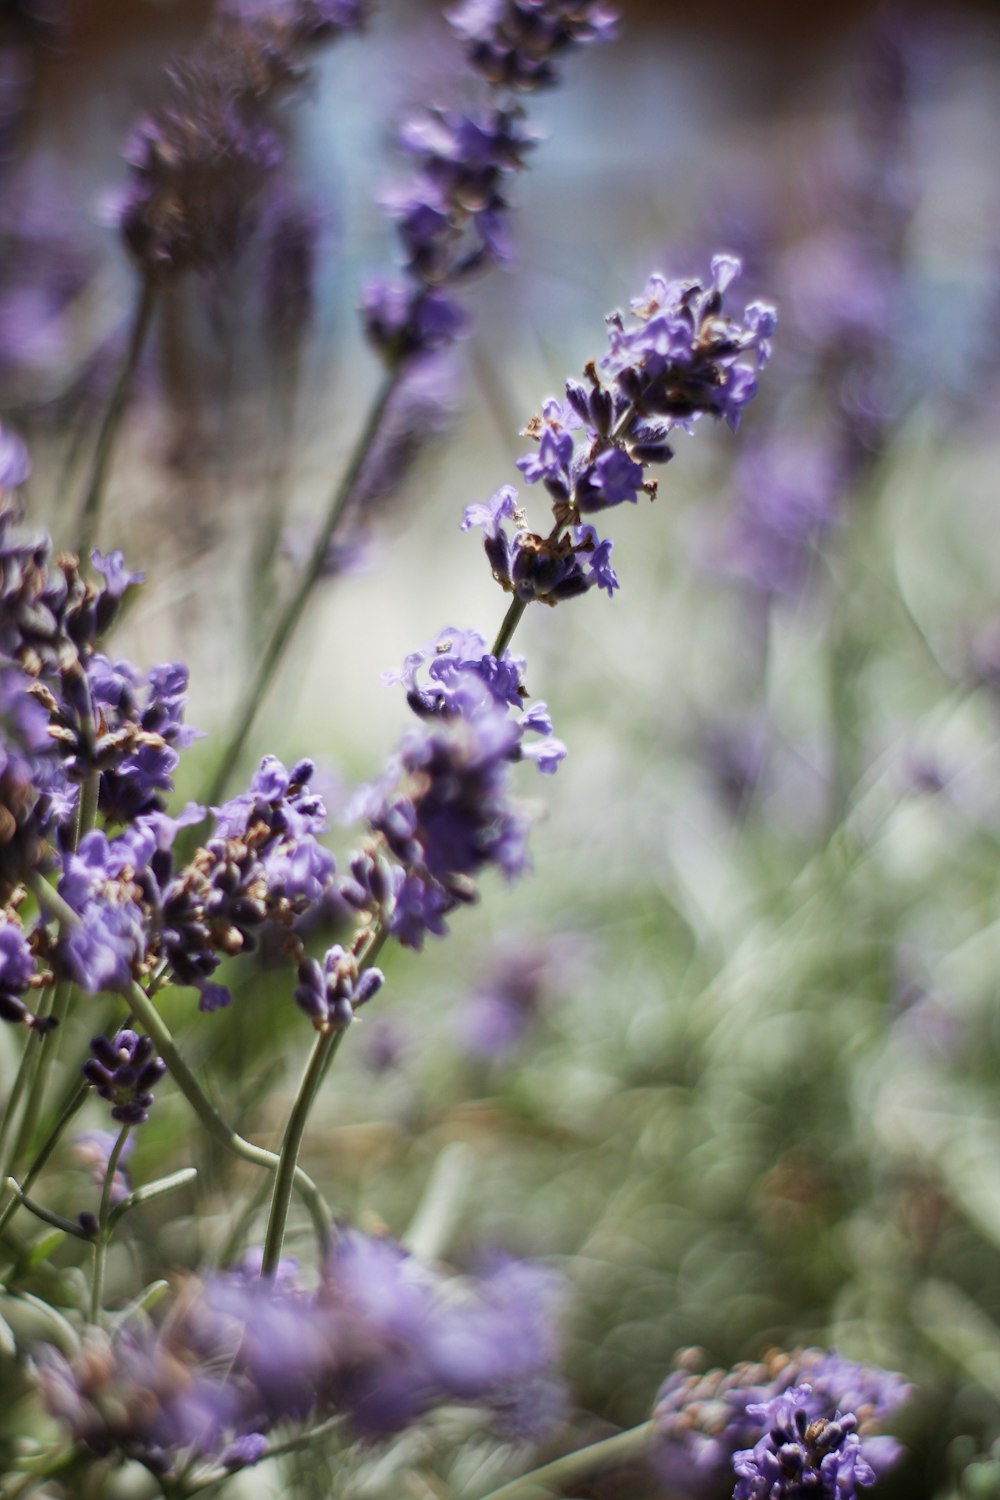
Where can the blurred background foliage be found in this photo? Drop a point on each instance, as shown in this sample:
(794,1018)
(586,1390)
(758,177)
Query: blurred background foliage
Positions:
(730,1057)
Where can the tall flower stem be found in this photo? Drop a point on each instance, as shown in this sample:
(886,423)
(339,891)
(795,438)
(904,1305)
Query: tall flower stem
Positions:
(86,818)
(325,1049)
(552,1479)
(93,496)
(101,1243)
(323,1052)
(148,1016)
(288,620)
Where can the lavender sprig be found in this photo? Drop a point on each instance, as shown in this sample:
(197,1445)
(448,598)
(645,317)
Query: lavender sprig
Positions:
(443,812)
(451,225)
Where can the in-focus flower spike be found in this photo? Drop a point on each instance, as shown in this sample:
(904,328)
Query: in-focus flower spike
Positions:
(443,812)
(123,1069)
(701,1420)
(801,1454)
(679,358)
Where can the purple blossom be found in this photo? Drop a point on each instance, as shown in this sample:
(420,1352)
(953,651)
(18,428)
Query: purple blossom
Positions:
(123,1070)
(801,1454)
(702,1420)
(92,1149)
(442,810)
(330,993)
(404,320)
(17,968)
(517,43)
(15,465)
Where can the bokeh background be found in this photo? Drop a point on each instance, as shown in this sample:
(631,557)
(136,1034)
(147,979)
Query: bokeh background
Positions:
(730,1057)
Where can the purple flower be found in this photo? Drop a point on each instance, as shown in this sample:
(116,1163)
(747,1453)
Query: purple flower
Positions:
(17,969)
(801,1454)
(403,320)
(15,465)
(123,1070)
(409,1340)
(517,42)
(92,1149)
(702,1420)
(443,811)
(330,994)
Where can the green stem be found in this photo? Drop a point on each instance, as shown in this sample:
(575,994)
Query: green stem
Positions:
(90,507)
(101,1243)
(552,1478)
(511,620)
(323,1052)
(148,1016)
(26,1070)
(86,817)
(43,1067)
(287,622)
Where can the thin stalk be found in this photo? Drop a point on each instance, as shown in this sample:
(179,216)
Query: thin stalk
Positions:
(511,620)
(148,1016)
(325,1049)
(323,1052)
(86,817)
(101,1243)
(43,1067)
(25,1071)
(93,496)
(551,1479)
(287,621)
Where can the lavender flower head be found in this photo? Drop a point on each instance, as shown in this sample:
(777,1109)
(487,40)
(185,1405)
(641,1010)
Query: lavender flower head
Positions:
(678,359)
(801,1455)
(442,812)
(123,1070)
(702,1422)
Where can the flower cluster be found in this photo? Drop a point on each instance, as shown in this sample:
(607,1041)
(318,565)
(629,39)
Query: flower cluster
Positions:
(679,359)
(706,1425)
(442,811)
(54,736)
(201,160)
(123,1070)
(381,1341)
(516,43)
(801,1454)
(451,215)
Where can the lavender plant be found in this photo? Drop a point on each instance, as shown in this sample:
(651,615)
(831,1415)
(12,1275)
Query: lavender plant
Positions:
(108,893)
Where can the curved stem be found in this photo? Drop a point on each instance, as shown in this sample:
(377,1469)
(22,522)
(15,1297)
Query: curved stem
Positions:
(323,1052)
(287,622)
(90,507)
(101,1243)
(148,1016)
(552,1478)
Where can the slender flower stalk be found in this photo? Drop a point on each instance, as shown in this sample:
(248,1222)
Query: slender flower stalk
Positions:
(322,1055)
(552,1478)
(286,624)
(101,1241)
(111,421)
(149,1018)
